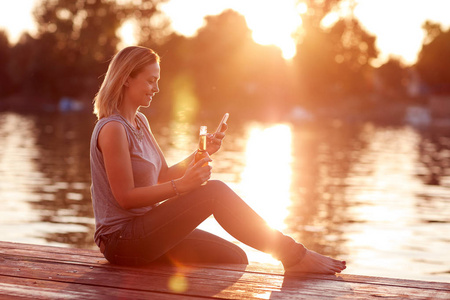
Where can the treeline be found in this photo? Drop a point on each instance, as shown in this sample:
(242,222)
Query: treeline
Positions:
(219,68)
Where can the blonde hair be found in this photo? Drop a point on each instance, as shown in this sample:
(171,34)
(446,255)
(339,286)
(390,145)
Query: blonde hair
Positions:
(128,62)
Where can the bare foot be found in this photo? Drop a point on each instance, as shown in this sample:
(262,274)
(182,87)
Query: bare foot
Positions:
(314,262)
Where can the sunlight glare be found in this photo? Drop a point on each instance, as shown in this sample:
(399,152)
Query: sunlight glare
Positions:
(273,23)
(127,34)
(330,19)
(302,8)
(16,17)
(184,110)
(178,283)
(266,179)
(398,24)
(187,20)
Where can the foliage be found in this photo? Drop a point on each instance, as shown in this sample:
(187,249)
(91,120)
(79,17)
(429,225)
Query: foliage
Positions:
(332,63)
(233,72)
(227,69)
(392,76)
(74,43)
(5,78)
(220,68)
(433,64)
(317,10)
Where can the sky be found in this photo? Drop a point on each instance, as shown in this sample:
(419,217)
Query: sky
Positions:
(396,23)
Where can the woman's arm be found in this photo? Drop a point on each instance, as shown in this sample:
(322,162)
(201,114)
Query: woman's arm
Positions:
(176,171)
(113,144)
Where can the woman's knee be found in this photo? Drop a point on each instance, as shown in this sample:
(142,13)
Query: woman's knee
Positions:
(217,186)
(220,192)
(216,192)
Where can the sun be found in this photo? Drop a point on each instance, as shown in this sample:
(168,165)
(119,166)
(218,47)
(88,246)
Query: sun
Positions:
(127,34)
(272,22)
(16,17)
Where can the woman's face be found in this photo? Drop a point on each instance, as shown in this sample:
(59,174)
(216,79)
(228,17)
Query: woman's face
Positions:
(141,88)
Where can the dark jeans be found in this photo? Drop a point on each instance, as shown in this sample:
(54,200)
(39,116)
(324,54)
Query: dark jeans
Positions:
(168,233)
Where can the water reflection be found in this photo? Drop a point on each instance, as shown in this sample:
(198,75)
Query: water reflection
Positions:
(18,156)
(323,158)
(266,178)
(375,196)
(381,216)
(178,140)
(44,170)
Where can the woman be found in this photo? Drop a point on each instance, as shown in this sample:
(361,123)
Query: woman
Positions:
(146,211)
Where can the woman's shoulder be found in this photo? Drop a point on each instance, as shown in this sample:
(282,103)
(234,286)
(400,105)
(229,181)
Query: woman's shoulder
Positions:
(113,117)
(110,119)
(111,123)
(112,133)
(108,129)
(114,125)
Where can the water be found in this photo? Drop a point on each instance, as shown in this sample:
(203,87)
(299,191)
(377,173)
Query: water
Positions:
(376,196)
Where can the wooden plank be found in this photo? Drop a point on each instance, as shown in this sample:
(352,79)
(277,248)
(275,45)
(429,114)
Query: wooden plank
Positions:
(416,285)
(44,289)
(180,281)
(271,269)
(226,284)
(50,250)
(78,269)
(94,257)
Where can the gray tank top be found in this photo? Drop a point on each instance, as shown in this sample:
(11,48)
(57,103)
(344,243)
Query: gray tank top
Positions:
(146,165)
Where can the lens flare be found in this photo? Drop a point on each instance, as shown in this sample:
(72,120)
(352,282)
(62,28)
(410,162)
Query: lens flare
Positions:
(178,283)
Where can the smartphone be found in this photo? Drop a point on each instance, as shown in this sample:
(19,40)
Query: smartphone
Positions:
(224,120)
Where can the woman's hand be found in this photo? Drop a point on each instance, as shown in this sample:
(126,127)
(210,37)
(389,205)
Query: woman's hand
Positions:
(196,174)
(214,140)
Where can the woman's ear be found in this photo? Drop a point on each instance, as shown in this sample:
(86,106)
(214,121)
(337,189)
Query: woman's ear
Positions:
(126,83)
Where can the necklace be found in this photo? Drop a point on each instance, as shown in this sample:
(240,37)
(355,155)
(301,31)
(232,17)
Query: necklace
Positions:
(137,131)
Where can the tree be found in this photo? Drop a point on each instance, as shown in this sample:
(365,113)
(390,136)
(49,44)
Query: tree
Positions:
(433,64)
(317,10)
(231,71)
(5,79)
(214,52)
(392,77)
(333,63)
(75,41)
(73,45)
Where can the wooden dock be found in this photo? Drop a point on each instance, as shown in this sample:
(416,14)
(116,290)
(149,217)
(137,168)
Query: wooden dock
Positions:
(44,272)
